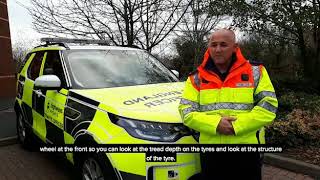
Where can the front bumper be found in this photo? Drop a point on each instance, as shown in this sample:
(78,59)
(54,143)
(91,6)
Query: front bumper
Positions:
(186,166)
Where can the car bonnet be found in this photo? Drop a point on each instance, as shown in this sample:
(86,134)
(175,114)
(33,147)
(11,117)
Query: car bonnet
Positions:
(153,102)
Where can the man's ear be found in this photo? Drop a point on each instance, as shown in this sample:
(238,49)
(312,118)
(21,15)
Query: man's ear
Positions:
(235,46)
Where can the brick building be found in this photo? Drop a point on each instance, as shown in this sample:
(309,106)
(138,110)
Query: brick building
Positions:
(7,66)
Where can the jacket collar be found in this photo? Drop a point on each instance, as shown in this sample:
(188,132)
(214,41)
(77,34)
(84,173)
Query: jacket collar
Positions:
(240,60)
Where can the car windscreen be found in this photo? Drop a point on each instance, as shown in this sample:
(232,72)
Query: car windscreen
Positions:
(115,68)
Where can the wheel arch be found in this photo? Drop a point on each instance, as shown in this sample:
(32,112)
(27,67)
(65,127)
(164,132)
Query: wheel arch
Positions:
(17,108)
(88,140)
(82,140)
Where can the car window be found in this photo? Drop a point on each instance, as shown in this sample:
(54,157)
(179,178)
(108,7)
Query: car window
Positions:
(53,66)
(115,68)
(34,69)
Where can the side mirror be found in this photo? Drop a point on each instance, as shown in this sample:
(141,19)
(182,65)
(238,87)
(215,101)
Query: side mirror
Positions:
(48,82)
(175,72)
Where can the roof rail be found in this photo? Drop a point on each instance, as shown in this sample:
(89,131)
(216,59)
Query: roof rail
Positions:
(76,41)
(48,44)
(63,41)
(132,46)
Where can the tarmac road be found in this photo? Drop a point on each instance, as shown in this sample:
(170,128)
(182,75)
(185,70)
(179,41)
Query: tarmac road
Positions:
(18,163)
(7,118)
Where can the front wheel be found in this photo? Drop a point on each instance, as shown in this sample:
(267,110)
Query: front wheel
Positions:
(96,166)
(91,170)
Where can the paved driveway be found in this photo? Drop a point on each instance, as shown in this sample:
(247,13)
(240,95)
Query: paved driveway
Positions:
(17,163)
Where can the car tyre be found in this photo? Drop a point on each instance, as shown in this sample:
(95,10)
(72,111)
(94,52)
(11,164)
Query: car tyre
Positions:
(95,166)
(25,135)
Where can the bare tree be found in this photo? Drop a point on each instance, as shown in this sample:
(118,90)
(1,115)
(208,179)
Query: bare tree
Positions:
(295,22)
(197,23)
(167,14)
(20,48)
(122,22)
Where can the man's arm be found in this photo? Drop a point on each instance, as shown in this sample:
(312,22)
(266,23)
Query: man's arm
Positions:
(190,112)
(225,126)
(263,113)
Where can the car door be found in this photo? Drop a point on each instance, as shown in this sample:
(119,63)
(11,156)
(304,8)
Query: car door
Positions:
(32,103)
(55,101)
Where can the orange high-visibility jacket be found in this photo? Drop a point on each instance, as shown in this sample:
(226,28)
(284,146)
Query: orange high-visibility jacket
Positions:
(247,94)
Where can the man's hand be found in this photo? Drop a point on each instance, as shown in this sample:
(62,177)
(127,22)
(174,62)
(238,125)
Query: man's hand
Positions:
(225,126)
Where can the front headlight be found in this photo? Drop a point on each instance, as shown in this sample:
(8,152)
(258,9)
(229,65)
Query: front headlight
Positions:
(153,131)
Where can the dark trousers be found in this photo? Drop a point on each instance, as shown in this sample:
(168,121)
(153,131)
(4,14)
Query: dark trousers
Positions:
(230,166)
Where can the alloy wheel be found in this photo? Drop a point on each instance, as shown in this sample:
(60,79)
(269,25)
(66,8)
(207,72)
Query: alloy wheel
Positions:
(91,170)
(21,129)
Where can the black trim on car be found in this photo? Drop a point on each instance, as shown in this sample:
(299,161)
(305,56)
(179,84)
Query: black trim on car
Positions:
(131,176)
(28,112)
(54,134)
(22,78)
(38,103)
(84,99)
(81,122)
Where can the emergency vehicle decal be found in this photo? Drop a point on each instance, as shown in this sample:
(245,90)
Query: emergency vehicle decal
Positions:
(38,101)
(28,113)
(54,134)
(79,115)
(164,100)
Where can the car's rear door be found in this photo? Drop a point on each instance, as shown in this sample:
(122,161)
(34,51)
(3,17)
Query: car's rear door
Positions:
(32,102)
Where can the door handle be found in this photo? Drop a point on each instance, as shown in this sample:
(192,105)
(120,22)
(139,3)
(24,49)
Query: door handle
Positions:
(38,92)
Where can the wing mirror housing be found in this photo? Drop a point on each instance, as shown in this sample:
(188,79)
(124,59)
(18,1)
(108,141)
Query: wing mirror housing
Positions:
(48,82)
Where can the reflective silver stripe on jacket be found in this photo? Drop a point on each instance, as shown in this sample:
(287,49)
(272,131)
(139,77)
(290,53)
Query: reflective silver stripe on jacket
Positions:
(214,106)
(194,106)
(196,79)
(256,76)
(264,94)
(189,110)
(188,102)
(234,106)
(268,106)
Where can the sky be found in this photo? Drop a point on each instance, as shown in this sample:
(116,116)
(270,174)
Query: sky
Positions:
(21,23)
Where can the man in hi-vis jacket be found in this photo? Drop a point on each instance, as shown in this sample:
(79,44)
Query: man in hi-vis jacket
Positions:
(228,100)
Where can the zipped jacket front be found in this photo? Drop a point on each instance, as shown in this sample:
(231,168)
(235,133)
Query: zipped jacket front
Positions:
(247,94)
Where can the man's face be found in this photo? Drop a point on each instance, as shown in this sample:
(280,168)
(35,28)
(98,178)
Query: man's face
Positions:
(221,46)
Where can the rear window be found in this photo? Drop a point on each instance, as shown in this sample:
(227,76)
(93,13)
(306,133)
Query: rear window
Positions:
(22,63)
(34,68)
